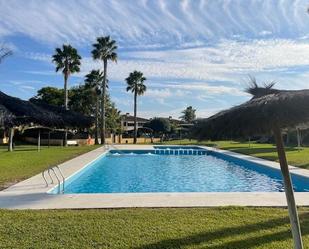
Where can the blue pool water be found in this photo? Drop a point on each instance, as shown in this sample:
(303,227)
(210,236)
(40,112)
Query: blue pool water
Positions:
(144,171)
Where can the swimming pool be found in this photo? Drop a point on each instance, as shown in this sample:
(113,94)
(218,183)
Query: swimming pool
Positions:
(188,170)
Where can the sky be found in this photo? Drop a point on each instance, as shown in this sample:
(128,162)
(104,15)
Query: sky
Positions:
(192,52)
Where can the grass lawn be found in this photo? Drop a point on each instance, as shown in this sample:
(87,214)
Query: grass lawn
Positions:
(299,158)
(215,228)
(26,161)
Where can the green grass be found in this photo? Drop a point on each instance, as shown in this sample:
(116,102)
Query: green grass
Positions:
(215,228)
(299,158)
(26,161)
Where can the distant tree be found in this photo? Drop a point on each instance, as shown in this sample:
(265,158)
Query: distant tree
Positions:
(82,100)
(160,126)
(135,84)
(104,50)
(93,82)
(188,114)
(4,52)
(113,117)
(50,95)
(66,59)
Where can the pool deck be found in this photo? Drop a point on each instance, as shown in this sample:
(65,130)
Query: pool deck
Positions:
(32,193)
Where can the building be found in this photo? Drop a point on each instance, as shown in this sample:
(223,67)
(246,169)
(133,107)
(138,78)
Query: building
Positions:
(127,122)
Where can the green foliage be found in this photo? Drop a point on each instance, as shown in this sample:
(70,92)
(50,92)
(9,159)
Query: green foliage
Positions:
(113,118)
(104,49)
(188,114)
(135,83)
(67,59)
(93,81)
(82,100)
(141,228)
(159,125)
(50,95)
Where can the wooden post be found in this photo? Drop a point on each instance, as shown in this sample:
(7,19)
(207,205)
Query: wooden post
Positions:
(48,139)
(11,135)
(288,188)
(298,138)
(65,137)
(39,140)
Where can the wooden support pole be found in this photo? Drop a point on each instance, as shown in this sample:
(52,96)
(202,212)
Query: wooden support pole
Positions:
(288,188)
(39,140)
(298,138)
(11,136)
(48,139)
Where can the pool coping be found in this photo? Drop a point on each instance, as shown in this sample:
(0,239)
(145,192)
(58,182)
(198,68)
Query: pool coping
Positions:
(32,193)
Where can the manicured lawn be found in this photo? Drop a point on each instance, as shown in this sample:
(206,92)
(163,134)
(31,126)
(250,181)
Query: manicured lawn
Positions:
(26,161)
(299,158)
(215,228)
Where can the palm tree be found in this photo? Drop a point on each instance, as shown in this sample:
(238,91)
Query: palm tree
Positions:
(66,59)
(135,83)
(188,114)
(104,50)
(93,83)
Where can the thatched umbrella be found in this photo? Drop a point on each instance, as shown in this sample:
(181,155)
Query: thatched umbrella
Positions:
(15,112)
(70,119)
(269,111)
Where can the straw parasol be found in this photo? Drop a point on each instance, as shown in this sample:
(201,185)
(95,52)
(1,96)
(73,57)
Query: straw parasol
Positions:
(70,119)
(269,111)
(15,112)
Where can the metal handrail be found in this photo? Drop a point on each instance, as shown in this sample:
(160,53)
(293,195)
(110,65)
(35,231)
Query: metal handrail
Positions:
(52,169)
(63,179)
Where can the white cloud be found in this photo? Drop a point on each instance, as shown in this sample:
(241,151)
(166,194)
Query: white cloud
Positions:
(151,23)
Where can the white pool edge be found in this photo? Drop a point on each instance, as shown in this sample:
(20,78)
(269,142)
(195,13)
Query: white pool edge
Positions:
(33,194)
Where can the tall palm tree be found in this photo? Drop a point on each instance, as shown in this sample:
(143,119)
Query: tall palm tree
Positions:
(66,59)
(135,83)
(93,83)
(104,50)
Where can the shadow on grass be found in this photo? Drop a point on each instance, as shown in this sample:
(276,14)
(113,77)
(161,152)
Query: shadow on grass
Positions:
(249,242)
(252,150)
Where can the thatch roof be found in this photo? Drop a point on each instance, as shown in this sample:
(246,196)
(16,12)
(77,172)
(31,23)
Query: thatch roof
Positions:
(257,116)
(16,112)
(69,118)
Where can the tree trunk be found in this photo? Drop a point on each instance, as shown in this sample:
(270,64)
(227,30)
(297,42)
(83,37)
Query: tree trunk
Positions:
(66,76)
(102,130)
(11,135)
(39,140)
(288,188)
(135,123)
(96,135)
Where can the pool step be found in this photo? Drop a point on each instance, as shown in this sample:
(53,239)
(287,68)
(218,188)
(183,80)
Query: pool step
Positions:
(180,152)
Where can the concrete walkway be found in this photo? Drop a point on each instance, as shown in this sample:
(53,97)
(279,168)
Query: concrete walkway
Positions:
(32,193)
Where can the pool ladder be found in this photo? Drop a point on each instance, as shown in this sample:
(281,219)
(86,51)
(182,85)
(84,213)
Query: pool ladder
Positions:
(52,171)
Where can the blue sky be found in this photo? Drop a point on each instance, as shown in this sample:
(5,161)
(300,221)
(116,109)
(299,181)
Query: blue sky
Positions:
(193,52)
